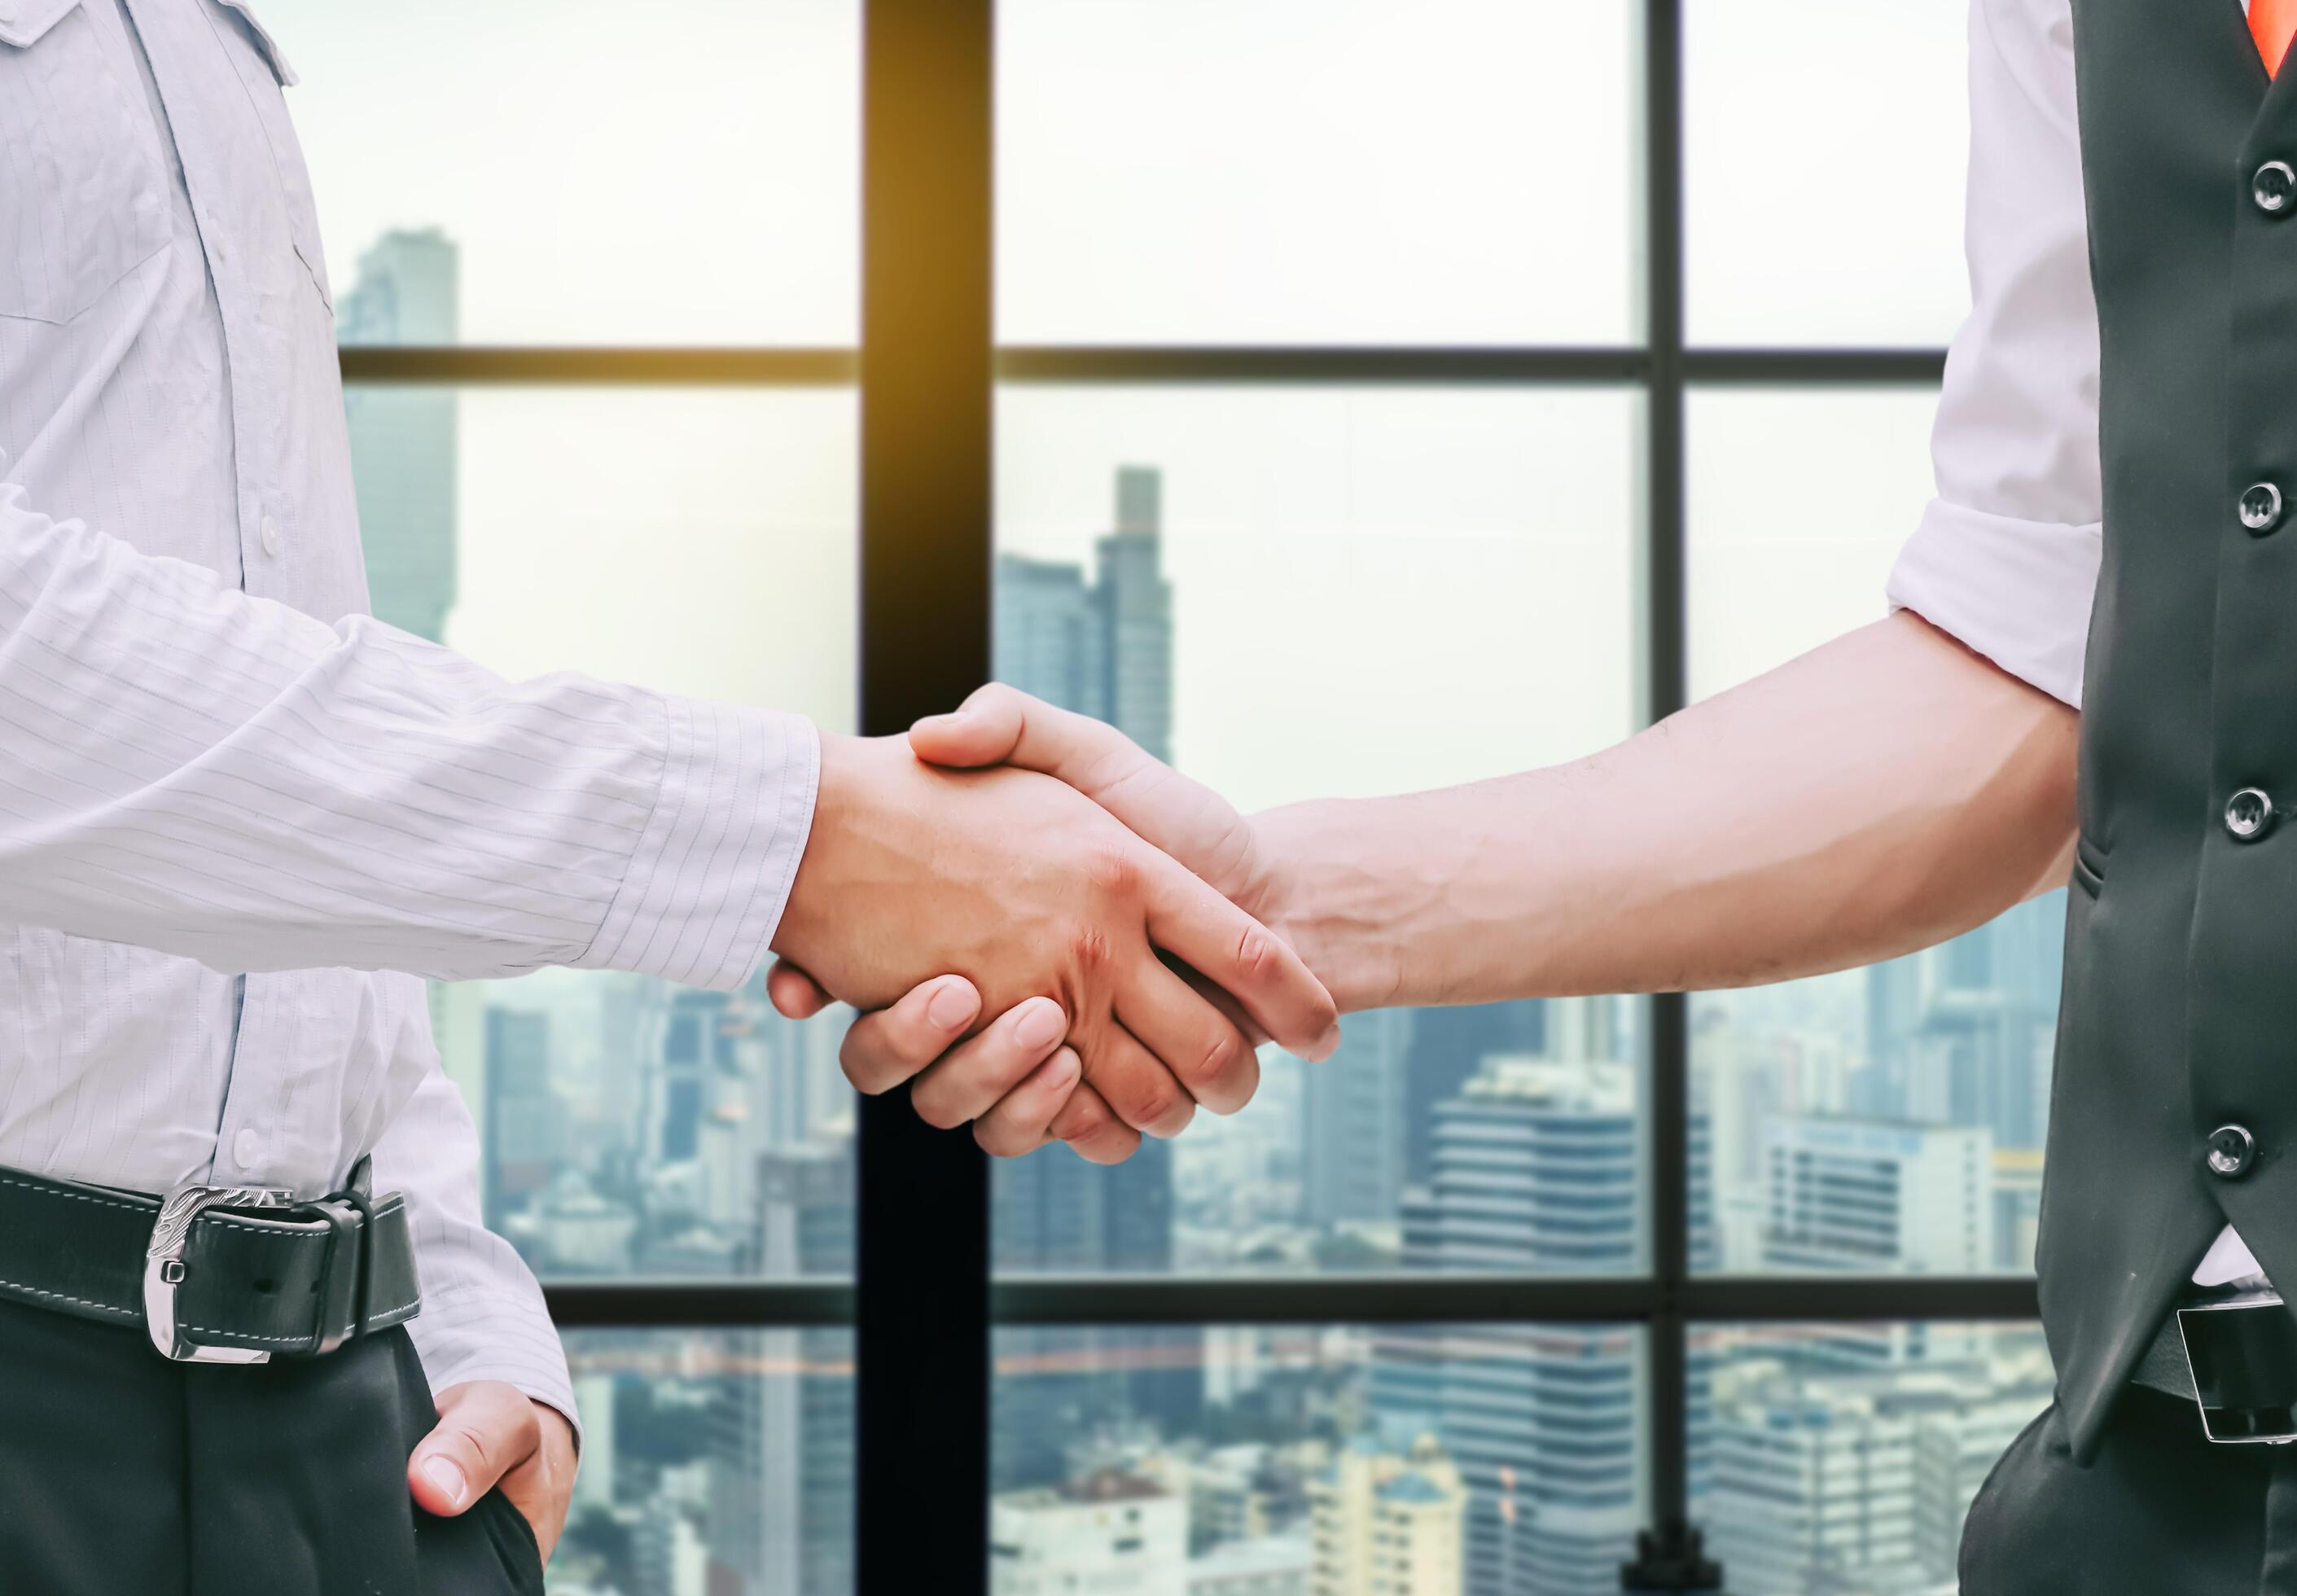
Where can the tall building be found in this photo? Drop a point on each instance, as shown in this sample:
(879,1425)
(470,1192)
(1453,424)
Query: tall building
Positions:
(1812,1482)
(1856,1482)
(521,1113)
(1110,1533)
(1136,606)
(1351,1155)
(1537,1169)
(1875,1197)
(1878,1196)
(1960,1033)
(781,1440)
(1102,649)
(1390,1525)
(1448,1048)
(404,462)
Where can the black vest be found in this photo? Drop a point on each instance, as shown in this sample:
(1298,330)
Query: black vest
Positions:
(2180,1011)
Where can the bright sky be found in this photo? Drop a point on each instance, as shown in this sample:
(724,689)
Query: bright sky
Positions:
(1375,589)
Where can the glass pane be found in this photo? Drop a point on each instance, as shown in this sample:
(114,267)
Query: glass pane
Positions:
(707,547)
(1436,1459)
(1302,171)
(1838,1458)
(714,1461)
(1799,502)
(1878,1120)
(1823,152)
(1301,592)
(571,171)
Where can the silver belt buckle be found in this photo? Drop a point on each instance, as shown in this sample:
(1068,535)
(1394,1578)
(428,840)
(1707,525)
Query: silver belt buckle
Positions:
(163,1266)
(2242,1352)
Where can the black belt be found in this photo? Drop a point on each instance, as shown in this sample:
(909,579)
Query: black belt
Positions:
(229,1274)
(2235,1355)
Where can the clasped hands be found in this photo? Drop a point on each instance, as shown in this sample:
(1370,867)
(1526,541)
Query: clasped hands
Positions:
(1053,935)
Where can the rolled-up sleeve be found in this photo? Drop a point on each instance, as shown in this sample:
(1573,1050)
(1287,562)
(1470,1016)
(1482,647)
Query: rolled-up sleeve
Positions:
(2006,557)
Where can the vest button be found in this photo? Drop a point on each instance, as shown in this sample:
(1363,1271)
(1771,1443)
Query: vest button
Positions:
(2274,186)
(2260,507)
(2232,1150)
(2248,814)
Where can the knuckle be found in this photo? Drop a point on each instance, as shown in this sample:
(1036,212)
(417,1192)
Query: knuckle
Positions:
(1156,1104)
(1114,869)
(1090,952)
(1222,1058)
(936,1109)
(1256,959)
(1084,1117)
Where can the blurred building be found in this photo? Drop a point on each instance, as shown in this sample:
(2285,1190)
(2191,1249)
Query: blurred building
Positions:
(781,1441)
(1279,1566)
(1856,1484)
(1102,649)
(521,1112)
(1352,1117)
(1110,1533)
(404,462)
(1390,1525)
(1537,1169)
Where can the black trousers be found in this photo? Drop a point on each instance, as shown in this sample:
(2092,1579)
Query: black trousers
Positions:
(123,1473)
(2160,1512)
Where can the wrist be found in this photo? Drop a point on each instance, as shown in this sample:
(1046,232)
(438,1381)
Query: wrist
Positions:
(806,912)
(1313,887)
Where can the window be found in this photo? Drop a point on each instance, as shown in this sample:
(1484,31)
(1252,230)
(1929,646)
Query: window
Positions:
(598,298)
(1480,386)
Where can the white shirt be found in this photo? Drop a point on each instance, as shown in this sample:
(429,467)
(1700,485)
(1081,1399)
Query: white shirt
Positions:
(2005,557)
(238,818)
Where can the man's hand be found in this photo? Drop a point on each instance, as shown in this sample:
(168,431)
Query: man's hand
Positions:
(491,1434)
(1005,1079)
(1029,890)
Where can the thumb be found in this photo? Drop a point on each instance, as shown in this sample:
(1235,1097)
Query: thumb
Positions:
(1166,810)
(983,731)
(485,1429)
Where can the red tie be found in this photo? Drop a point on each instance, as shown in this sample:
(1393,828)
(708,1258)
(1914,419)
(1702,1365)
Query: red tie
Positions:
(2271,22)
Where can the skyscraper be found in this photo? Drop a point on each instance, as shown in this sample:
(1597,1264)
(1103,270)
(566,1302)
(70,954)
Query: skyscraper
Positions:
(781,1485)
(1536,1170)
(1448,1047)
(519,1110)
(1102,649)
(1351,1155)
(403,439)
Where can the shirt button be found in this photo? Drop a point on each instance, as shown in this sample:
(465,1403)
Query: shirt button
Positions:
(2273,186)
(247,1145)
(2260,507)
(2248,814)
(2232,1150)
(270,536)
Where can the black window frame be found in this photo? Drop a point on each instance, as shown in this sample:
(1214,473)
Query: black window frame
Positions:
(922,1302)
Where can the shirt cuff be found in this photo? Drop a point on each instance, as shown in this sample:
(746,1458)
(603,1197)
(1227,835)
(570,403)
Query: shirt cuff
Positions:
(2017,592)
(466,1336)
(711,871)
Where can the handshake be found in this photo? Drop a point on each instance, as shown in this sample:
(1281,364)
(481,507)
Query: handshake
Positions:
(1054,936)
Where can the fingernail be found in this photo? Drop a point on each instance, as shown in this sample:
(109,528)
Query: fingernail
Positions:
(951,1006)
(448,1478)
(1042,1026)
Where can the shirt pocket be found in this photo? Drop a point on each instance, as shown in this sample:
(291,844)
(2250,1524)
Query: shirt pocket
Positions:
(256,57)
(81,202)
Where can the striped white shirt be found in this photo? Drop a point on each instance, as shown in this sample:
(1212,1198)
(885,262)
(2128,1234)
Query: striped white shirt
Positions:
(238,818)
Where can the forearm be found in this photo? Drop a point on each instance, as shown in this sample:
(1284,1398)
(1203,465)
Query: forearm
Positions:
(187,767)
(1877,795)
